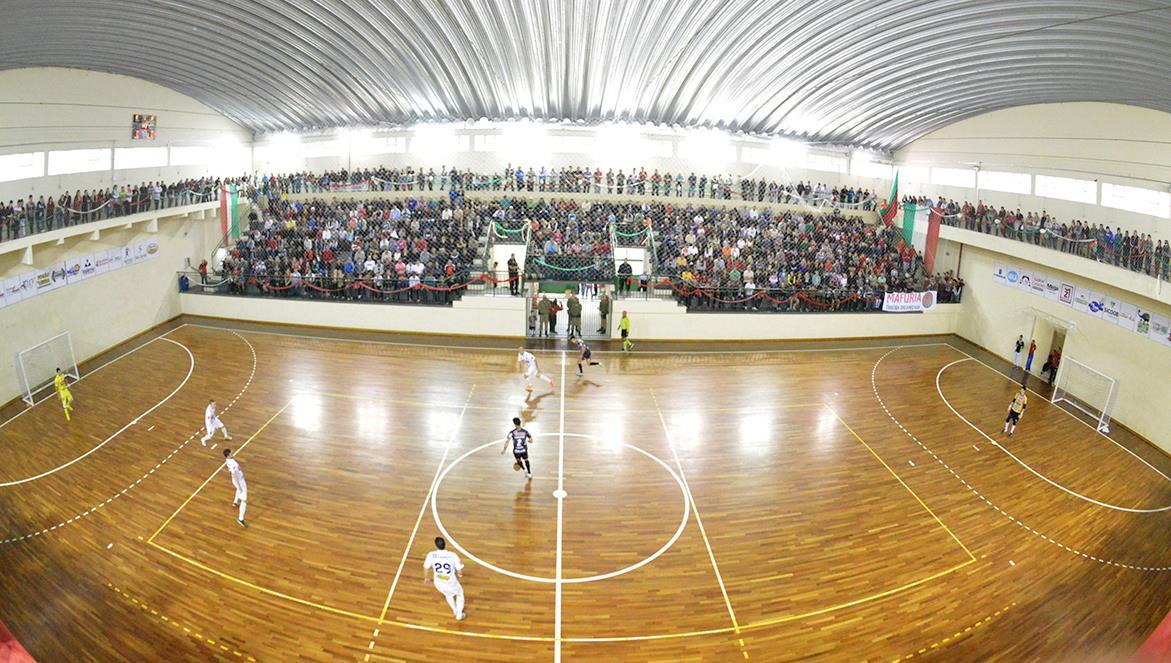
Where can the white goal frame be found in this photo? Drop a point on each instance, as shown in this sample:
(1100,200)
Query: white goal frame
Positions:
(1061,394)
(31,385)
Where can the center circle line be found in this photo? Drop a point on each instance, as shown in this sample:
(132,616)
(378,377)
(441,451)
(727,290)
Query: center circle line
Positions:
(594,578)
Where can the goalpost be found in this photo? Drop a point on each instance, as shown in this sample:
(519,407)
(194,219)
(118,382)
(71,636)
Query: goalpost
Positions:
(1087,389)
(36,366)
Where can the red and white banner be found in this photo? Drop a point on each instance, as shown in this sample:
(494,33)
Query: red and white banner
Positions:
(908,302)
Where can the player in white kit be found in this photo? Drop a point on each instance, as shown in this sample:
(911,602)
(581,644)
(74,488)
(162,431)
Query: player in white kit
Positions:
(211,421)
(530,369)
(237,474)
(444,569)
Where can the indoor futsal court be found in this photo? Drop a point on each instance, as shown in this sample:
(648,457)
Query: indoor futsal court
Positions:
(838,501)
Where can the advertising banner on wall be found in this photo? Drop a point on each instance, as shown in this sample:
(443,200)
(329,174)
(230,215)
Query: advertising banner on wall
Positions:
(30,284)
(908,302)
(1127,316)
(1066,294)
(1000,274)
(1081,299)
(1160,329)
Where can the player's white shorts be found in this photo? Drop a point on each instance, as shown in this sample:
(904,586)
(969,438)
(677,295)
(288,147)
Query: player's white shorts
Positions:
(213,425)
(241,489)
(452,588)
(531,371)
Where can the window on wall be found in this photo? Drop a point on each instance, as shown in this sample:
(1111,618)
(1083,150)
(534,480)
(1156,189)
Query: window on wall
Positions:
(1064,188)
(379,145)
(22,166)
(961,177)
(570,143)
(863,166)
(825,162)
(995,180)
(913,174)
(486,142)
(192,156)
(64,162)
(665,149)
(1136,199)
(323,148)
(139,157)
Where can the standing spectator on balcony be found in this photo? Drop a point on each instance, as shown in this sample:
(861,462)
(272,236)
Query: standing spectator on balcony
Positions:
(573,307)
(604,311)
(513,275)
(624,274)
(203,272)
(544,311)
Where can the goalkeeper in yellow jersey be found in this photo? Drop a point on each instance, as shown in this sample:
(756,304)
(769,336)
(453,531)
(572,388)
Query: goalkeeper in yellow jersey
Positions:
(1015,409)
(63,393)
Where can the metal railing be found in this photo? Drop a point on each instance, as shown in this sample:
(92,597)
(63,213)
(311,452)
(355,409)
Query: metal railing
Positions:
(744,298)
(426,290)
(37,218)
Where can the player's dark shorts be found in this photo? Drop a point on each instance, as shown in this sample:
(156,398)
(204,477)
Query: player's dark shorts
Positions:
(520,457)
(586,354)
(625,333)
(1013,417)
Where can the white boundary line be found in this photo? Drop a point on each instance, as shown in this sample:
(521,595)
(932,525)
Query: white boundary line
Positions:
(695,508)
(42,475)
(145,476)
(125,354)
(560,495)
(970,487)
(476,348)
(939,390)
(565,581)
(422,510)
(1069,414)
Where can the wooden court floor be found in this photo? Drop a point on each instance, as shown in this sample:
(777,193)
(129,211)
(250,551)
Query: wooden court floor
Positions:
(835,502)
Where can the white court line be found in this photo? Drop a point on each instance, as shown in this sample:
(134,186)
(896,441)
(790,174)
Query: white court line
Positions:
(939,390)
(560,494)
(695,508)
(125,354)
(972,489)
(42,475)
(453,543)
(522,340)
(423,509)
(145,476)
(1069,414)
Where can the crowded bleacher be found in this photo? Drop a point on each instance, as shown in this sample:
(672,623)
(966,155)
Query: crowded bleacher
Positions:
(418,251)
(1123,248)
(20,218)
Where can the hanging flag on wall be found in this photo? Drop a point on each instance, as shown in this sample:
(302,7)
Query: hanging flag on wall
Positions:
(229,212)
(921,231)
(892,203)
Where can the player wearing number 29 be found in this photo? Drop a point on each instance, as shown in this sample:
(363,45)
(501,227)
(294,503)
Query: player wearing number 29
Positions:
(444,569)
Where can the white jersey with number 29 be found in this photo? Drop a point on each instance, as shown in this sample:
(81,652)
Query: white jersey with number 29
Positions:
(444,563)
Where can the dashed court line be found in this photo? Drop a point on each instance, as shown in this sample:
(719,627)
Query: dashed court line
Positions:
(958,635)
(187,630)
(154,469)
(1122,565)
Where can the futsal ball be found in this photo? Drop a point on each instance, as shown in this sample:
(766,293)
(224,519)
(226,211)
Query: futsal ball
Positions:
(516,467)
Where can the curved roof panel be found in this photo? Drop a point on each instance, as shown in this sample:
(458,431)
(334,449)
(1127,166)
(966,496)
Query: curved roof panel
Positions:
(869,72)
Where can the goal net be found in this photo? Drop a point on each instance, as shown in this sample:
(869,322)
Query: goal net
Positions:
(36,366)
(1087,389)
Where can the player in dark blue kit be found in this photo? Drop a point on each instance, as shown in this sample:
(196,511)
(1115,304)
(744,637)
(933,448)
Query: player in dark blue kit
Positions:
(520,439)
(585,356)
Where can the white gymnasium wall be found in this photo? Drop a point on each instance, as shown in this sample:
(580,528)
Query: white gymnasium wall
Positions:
(48,108)
(993,314)
(1089,141)
(106,309)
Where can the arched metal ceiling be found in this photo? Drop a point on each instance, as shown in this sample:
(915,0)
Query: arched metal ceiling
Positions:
(869,72)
